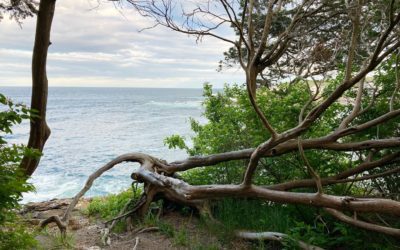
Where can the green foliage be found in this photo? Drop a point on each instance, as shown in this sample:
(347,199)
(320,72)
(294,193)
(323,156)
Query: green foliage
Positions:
(233,125)
(175,141)
(109,206)
(12,180)
(14,234)
(252,215)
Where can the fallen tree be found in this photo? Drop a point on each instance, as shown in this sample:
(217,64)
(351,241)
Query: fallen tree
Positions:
(362,51)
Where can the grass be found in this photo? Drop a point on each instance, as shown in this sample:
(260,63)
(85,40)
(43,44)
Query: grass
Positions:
(299,222)
(166,229)
(181,238)
(109,206)
(67,242)
(59,242)
(242,214)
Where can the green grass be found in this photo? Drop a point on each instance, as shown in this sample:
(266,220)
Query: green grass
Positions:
(109,206)
(252,215)
(57,241)
(67,242)
(303,223)
(166,229)
(181,238)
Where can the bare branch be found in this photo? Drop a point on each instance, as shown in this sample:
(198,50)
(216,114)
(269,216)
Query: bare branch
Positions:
(365,225)
(357,106)
(397,73)
(310,169)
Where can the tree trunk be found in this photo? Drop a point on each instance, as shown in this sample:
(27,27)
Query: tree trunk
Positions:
(39,131)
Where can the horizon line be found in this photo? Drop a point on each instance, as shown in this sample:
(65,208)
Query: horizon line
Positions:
(132,87)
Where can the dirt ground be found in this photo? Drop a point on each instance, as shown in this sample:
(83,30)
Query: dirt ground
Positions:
(85,233)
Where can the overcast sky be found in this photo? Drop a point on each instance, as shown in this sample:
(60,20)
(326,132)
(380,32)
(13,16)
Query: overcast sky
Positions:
(103,47)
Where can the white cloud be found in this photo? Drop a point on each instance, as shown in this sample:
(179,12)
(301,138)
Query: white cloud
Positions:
(102,46)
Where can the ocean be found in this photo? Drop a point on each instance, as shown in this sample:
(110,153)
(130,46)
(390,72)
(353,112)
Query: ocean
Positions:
(91,126)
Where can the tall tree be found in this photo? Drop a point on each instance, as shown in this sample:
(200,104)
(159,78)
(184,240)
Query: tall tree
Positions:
(39,130)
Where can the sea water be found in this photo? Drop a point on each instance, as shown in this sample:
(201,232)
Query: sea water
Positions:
(91,126)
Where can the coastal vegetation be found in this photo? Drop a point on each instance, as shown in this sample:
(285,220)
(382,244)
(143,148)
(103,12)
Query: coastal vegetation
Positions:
(305,154)
(13,234)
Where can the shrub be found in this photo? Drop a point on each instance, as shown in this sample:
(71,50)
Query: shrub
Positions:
(13,183)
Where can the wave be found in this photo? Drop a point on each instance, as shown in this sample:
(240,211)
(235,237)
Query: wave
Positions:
(177,104)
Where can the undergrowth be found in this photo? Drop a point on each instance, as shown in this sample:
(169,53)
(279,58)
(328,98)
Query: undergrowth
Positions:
(300,223)
(14,234)
(108,207)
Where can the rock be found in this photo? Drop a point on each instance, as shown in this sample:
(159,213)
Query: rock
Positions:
(45,205)
(75,224)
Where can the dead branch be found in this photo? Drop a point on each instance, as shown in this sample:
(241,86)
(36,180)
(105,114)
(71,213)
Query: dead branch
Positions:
(275,236)
(310,169)
(396,89)
(369,226)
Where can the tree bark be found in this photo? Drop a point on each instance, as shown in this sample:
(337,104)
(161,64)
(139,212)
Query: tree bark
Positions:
(39,131)
(251,79)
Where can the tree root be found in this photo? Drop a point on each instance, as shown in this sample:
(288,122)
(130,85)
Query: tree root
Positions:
(145,230)
(275,236)
(60,224)
(136,243)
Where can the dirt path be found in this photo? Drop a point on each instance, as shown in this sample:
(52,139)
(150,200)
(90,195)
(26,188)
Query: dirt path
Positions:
(176,231)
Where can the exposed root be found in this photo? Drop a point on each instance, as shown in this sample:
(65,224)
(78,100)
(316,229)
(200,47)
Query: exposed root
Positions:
(275,236)
(136,243)
(124,214)
(105,239)
(145,230)
(60,224)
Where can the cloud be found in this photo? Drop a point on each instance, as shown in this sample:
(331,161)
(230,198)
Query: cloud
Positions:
(102,46)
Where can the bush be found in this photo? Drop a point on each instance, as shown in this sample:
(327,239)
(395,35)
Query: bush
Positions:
(12,180)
